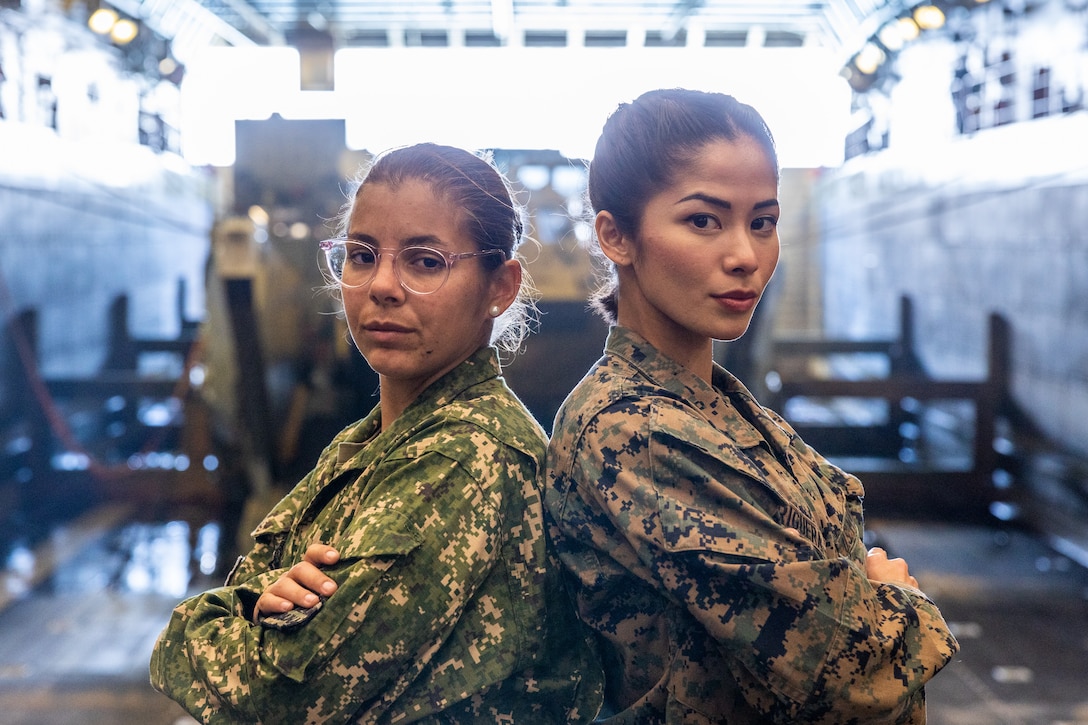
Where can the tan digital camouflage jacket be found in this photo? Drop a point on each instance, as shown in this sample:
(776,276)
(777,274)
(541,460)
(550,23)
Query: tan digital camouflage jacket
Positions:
(720,560)
(447,608)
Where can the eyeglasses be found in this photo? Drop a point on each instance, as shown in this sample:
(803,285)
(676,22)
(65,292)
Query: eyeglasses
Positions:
(420,270)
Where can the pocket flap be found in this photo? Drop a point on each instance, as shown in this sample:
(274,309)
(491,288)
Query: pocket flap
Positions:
(379,532)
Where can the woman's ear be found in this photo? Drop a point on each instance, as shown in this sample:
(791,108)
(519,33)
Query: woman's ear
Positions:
(614,244)
(505,285)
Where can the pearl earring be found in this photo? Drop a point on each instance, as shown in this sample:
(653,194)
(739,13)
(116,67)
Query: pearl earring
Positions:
(495,311)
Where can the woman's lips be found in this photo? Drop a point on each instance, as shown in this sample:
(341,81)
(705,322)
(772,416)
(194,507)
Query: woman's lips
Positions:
(740,301)
(385,331)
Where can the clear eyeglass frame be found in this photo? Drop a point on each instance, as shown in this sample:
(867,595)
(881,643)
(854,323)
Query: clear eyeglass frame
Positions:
(411,265)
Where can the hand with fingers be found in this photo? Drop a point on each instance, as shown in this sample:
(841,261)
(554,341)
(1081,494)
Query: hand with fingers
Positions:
(879,568)
(303,587)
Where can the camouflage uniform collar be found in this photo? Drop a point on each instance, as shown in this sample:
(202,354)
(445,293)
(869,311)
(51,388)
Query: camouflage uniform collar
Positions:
(669,375)
(479,367)
(625,343)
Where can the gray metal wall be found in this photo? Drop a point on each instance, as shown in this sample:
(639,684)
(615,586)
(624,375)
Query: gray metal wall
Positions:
(71,240)
(990,223)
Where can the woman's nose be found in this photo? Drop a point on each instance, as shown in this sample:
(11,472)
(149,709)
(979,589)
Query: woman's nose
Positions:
(385,283)
(741,255)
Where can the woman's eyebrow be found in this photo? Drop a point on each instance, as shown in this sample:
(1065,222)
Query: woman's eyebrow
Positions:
(713,200)
(419,240)
(722,203)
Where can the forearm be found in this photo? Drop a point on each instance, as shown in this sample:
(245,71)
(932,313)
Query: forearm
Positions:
(222,667)
(799,625)
(201,659)
(386,620)
(824,643)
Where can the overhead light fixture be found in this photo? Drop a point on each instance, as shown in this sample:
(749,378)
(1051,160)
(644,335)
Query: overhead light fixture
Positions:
(106,21)
(869,58)
(891,37)
(102,20)
(124,31)
(908,28)
(928,17)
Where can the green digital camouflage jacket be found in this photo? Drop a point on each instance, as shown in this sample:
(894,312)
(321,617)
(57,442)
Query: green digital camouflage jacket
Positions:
(720,560)
(448,609)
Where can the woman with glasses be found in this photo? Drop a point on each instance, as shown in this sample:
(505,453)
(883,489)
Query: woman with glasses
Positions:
(718,560)
(405,578)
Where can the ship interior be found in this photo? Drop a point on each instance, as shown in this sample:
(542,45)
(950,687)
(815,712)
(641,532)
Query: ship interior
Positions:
(171,362)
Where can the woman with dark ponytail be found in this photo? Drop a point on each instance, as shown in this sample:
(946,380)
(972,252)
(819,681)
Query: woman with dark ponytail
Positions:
(717,559)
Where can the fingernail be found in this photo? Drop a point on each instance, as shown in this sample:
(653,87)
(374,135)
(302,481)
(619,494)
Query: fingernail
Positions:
(328,587)
(310,600)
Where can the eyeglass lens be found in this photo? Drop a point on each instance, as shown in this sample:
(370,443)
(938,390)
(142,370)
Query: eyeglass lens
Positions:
(420,269)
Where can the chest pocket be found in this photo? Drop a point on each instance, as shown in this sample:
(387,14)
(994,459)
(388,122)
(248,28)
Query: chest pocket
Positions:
(717,502)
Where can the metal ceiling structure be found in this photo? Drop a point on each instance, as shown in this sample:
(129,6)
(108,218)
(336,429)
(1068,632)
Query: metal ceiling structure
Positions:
(839,25)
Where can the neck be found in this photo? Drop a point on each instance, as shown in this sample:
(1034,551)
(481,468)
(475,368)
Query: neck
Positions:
(693,351)
(699,360)
(393,400)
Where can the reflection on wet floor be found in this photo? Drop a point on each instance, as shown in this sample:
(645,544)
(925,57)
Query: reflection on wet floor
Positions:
(81,612)
(125,557)
(79,615)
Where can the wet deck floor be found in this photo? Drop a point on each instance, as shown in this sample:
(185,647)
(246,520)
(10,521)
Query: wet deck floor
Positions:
(74,644)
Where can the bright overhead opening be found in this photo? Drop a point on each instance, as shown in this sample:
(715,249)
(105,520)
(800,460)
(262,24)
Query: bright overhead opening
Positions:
(509,97)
